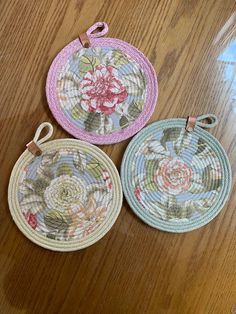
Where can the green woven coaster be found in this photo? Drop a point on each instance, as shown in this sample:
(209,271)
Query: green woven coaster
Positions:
(176,180)
(65,194)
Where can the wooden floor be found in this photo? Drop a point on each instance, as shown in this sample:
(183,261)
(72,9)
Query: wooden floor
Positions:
(134,268)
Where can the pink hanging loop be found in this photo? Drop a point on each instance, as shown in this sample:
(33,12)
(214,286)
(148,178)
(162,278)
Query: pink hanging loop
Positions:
(101,29)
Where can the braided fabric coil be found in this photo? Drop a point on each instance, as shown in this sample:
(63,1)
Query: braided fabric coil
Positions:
(175,180)
(98,112)
(68,197)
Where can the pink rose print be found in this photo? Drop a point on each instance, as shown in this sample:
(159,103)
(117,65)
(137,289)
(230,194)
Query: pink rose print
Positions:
(102,90)
(173,176)
(107,179)
(137,193)
(88,230)
(31,219)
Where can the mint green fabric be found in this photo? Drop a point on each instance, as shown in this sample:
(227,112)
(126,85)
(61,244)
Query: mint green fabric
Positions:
(176,180)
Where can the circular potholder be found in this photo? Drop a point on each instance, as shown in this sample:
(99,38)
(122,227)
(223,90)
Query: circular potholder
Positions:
(176,180)
(65,194)
(102,90)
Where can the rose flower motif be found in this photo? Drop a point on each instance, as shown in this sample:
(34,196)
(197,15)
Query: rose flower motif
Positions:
(31,219)
(173,176)
(63,192)
(107,179)
(102,90)
(137,193)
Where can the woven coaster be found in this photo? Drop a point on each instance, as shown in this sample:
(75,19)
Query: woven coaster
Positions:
(64,195)
(176,177)
(101,90)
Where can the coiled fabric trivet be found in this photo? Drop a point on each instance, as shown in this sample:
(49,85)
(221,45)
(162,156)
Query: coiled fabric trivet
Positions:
(176,177)
(65,194)
(101,90)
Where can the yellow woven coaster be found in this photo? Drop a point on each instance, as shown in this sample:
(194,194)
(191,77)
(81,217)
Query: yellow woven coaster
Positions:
(64,195)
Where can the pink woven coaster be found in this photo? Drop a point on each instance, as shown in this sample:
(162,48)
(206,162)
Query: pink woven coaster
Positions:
(101,90)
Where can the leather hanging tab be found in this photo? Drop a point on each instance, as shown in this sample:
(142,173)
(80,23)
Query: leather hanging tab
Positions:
(34,149)
(84,40)
(191,123)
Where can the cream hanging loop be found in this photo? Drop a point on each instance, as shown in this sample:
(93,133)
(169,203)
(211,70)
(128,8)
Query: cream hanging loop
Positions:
(33,146)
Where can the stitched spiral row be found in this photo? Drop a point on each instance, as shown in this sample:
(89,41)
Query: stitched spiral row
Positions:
(59,204)
(78,132)
(172,176)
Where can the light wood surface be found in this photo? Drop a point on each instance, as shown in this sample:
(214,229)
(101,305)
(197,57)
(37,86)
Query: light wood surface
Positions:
(134,268)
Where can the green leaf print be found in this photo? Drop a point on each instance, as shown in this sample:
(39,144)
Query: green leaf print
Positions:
(135,83)
(68,79)
(77,113)
(45,173)
(170,207)
(40,186)
(93,122)
(142,79)
(115,58)
(148,182)
(196,206)
(134,110)
(140,105)
(183,212)
(64,169)
(27,186)
(93,164)
(94,168)
(210,183)
(51,236)
(201,145)
(92,188)
(205,182)
(149,185)
(119,58)
(87,63)
(124,121)
(170,135)
(49,159)
(56,221)
(32,202)
(151,167)
(80,161)
(196,186)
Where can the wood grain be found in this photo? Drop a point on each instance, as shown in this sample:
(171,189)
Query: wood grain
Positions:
(134,268)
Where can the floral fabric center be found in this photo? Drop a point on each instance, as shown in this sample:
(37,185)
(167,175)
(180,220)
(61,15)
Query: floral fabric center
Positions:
(101,90)
(173,176)
(65,194)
